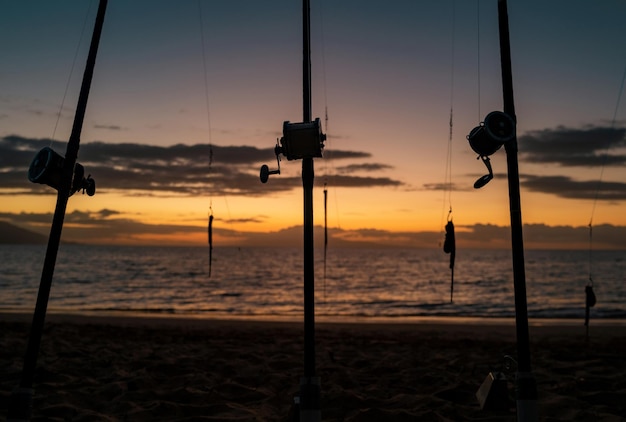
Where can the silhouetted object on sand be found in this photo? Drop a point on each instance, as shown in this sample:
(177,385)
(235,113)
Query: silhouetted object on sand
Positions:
(493,393)
(65,175)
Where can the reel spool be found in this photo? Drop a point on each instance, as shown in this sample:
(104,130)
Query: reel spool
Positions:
(300,140)
(491,134)
(488,137)
(47,169)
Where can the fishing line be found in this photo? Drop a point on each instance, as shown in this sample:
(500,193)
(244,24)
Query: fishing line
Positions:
(478,55)
(590,298)
(449,245)
(447,188)
(608,145)
(604,159)
(69,78)
(328,155)
(204,73)
(208,115)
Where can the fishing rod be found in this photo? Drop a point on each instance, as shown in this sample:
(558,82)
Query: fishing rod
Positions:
(305,141)
(498,129)
(67,177)
(525,385)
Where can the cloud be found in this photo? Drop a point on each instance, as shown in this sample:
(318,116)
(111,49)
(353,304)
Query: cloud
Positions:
(258,219)
(541,236)
(104,213)
(367,167)
(188,170)
(587,147)
(444,186)
(108,127)
(590,147)
(566,187)
(361,182)
(337,154)
(109,226)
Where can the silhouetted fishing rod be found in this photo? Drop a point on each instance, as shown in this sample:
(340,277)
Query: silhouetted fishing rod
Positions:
(65,175)
(310,392)
(498,129)
(305,141)
(525,385)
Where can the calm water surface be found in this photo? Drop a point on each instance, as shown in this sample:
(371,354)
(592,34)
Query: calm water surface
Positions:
(253,282)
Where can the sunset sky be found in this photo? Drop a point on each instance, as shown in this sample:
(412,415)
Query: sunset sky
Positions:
(387,72)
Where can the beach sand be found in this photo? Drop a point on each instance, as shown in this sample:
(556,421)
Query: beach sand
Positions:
(175,369)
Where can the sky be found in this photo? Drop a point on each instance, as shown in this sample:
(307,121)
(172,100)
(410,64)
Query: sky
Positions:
(180,81)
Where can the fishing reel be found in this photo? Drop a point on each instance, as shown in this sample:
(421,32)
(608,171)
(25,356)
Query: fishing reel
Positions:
(300,140)
(488,137)
(47,168)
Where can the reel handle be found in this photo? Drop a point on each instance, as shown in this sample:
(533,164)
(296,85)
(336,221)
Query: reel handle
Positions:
(265,173)
(483,180)
(265,170)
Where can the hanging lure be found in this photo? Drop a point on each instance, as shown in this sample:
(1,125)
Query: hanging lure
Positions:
(449,246)
(590,301)
(210,242)
(208,115)
(590,297)
(325,234)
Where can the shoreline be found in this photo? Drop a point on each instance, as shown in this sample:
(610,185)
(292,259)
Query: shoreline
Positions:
(504,329)
(129,316)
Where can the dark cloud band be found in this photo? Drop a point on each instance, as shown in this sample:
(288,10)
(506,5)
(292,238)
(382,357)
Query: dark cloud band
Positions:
(200,169)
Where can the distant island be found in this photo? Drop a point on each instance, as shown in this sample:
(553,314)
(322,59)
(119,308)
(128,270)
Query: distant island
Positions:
(11,234)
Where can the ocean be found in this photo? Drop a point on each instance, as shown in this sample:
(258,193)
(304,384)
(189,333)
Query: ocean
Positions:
(268,282)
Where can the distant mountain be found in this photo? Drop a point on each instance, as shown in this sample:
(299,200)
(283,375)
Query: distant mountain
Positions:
(17,235)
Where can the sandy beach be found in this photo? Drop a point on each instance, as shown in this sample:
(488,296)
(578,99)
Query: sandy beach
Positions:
(116,368)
